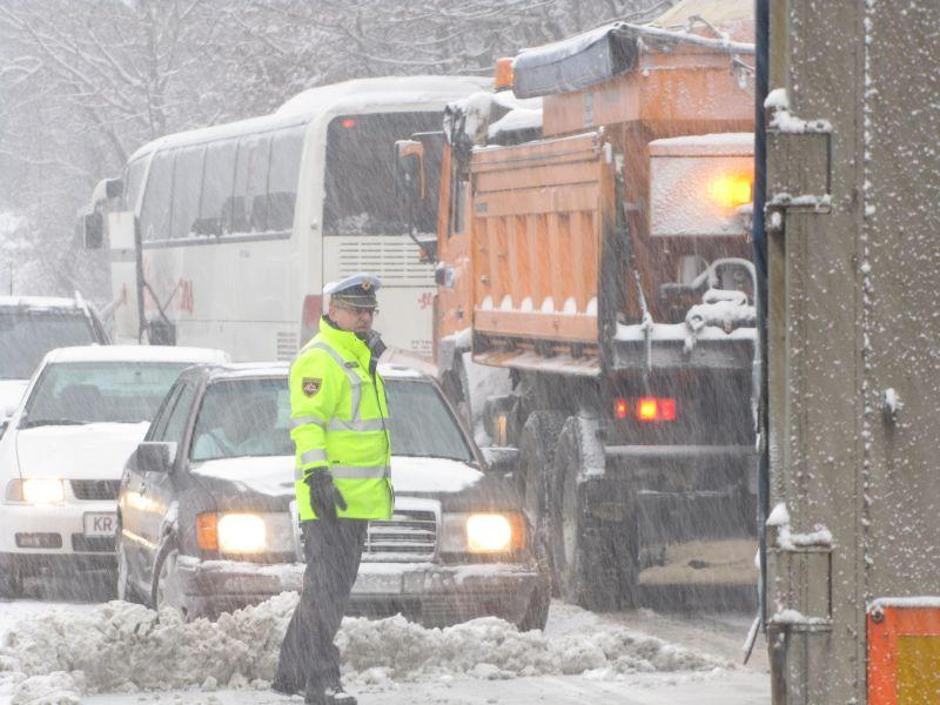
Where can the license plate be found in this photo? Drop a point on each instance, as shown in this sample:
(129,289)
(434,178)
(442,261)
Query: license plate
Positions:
(103,524)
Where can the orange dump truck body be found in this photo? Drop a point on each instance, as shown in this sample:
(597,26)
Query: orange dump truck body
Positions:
(556,265)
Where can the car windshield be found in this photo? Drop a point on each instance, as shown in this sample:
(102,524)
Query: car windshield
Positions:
(26,335)
(240,418)
(243,417)
(118,391)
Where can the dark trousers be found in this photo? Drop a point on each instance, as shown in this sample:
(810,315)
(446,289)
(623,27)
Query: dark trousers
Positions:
(333,550)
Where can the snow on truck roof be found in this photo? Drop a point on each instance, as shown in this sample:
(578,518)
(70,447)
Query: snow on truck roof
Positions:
(362,95)
(135,353)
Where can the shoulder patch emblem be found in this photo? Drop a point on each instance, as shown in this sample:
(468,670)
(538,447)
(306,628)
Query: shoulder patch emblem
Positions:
(311,385)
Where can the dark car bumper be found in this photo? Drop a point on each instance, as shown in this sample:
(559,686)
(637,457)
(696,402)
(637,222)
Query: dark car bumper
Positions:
(430,593)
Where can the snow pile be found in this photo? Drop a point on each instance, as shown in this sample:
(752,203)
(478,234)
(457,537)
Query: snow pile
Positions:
(57,657)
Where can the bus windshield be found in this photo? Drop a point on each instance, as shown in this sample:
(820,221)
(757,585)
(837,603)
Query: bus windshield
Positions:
(360,194)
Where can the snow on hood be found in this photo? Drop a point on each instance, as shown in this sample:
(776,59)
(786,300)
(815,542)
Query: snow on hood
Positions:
(270,475)
(123,647)
(11,391)
(274,476)
(432,475)
(94,451)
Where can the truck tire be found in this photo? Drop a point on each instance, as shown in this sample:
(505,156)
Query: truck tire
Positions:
(596,560)
(537,445)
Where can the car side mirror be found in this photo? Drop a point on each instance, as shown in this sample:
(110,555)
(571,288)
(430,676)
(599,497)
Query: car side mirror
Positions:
(501,460)
(156,456)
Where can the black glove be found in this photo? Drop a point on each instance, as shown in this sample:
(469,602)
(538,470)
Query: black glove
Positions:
(324,497)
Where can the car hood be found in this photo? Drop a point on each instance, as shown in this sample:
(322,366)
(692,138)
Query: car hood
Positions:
(95,451)
(275,476)
(11,391)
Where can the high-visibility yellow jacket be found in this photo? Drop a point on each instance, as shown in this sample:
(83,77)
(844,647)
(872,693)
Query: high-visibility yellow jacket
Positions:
(339,422)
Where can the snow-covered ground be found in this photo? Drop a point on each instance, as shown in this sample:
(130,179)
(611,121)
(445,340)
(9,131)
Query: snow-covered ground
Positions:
(57,653)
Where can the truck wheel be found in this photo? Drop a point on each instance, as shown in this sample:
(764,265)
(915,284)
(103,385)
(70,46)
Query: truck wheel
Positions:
(537,445)
(11,580)
(596,560)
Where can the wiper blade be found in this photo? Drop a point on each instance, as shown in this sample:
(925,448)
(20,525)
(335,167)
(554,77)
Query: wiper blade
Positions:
(33,423)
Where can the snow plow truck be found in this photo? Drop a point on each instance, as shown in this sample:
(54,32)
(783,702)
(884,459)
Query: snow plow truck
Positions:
(593,241)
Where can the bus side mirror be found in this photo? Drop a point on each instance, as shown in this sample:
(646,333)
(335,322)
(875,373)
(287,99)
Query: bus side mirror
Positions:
(411,187)
(92,231)
(410,171)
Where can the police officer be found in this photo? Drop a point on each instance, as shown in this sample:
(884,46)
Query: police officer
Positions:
(339,423)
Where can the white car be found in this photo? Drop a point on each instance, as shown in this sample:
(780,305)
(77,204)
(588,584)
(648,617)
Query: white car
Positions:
(31,326)
(62,452)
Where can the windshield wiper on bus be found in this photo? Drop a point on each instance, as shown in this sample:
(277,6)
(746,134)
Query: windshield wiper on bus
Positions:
(33,423)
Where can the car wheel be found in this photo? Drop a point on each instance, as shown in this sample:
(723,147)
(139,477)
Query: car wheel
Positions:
(595,560)
(124,589)
(167,590)
(11,580)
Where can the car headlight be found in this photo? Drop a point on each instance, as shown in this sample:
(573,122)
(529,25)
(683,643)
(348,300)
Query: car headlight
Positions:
(482,533)
(241,532)
(36,490)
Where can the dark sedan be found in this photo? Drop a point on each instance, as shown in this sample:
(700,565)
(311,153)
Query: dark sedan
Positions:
(208,521)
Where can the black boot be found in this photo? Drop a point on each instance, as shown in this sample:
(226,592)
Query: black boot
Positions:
(335,695)
(315,694)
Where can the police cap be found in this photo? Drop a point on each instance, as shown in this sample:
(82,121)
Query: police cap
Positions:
(357,291)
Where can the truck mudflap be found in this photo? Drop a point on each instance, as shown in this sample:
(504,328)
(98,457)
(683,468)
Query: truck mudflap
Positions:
(694,513)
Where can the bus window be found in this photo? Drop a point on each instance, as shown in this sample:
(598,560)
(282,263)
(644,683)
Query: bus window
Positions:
(286,148)
(218,181)
(155,212)
(247,207)
(134,178)
(360,173)
(187,185)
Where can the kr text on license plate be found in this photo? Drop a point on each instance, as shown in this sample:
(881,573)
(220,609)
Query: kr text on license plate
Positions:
(100,524)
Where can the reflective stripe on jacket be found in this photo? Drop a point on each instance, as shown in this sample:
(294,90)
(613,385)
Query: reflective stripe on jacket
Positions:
(339,422)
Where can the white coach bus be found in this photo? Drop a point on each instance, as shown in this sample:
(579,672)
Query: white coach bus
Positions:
(230,232)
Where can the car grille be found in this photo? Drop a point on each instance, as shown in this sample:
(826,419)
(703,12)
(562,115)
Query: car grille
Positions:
(409,536)
(95,489)
(92,544)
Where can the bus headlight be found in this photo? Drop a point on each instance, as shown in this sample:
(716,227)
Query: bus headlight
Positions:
(37,490)
(483,533)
